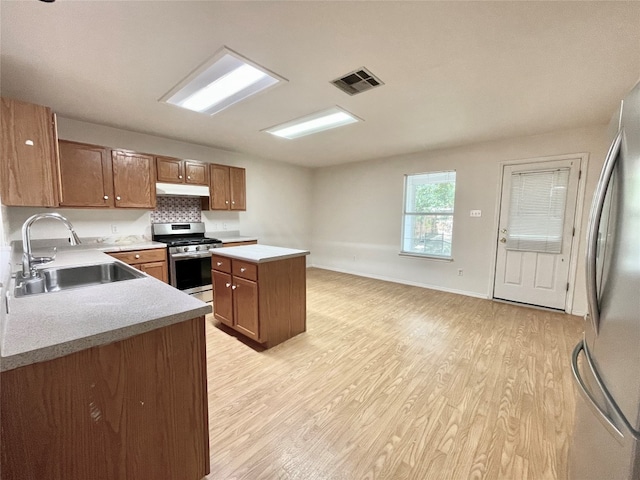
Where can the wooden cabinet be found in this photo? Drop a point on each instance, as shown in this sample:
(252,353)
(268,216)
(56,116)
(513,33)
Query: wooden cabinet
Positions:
(151,261)
(133,409)
(95,176)
(174,170)
(228,188)
(28,157)
(134,179)
(86,178)
(264,301)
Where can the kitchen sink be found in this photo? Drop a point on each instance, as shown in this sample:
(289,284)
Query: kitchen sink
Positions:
(58,279)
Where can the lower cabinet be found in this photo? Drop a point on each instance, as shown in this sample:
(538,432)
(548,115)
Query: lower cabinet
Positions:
(152,261)
(135,409)
(263,301)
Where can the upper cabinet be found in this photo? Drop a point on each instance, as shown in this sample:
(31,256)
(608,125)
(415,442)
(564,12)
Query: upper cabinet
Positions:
(134,179)
(174,170)
(95,176)
(228,188)
(28,155)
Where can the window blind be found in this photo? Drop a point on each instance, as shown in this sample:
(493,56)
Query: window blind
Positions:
(537,210)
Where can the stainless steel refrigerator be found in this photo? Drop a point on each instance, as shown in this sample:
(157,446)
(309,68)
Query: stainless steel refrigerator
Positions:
(606,363)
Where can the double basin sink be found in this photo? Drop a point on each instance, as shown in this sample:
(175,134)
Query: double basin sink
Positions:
(65,278)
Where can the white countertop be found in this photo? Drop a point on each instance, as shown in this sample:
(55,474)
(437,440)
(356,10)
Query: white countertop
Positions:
(45,326)
(259,253)
(231,236)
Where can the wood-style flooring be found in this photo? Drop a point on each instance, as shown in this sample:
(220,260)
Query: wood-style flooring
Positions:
(395,382)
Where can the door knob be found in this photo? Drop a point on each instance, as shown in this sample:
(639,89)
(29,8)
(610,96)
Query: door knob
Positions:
(503,240)
(504,230)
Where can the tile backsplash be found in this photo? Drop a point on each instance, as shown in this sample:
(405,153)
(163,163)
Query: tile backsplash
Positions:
(177,209)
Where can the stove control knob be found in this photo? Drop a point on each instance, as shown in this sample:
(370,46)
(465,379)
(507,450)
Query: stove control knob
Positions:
(185,249)
(198,248)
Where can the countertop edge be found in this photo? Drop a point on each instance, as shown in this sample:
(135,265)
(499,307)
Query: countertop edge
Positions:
(104,338)
(240,256)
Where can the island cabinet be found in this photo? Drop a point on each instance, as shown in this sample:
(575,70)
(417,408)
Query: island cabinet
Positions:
(135,409)
(228,188)
(96,176)
(264,301)
(151,261)
(175,170)
(28,155)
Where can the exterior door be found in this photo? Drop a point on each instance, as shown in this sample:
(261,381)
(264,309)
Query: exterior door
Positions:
(536,231)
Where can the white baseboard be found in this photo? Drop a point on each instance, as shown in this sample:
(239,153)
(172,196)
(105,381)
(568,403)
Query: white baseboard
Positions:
(404,282)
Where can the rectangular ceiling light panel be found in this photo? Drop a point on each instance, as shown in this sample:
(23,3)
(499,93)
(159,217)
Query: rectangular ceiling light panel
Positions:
(221,81)
(314,123)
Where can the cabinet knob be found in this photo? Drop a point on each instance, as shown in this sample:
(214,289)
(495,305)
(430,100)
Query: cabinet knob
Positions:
(503,240)
(227,285)
(233,203)
(106,197)
(188,177)
(29,142)
(243,269)
(137,255)
(219,264)
(227,202)
(118,197)
(234,287)
(179,176)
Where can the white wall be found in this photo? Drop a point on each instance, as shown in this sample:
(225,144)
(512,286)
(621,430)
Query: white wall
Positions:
(278,194)
(357,211)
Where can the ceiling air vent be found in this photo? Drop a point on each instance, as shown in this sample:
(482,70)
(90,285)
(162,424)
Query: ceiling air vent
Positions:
(357,81)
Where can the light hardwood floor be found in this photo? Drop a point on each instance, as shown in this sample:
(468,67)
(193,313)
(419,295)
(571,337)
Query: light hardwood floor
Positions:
(395,382)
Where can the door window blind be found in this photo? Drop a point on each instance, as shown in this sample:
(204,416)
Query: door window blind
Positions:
(537,210)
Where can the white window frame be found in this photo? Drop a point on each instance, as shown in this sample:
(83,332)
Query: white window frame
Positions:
(406,214)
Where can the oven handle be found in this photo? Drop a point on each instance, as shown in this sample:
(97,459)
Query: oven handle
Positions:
(180,256)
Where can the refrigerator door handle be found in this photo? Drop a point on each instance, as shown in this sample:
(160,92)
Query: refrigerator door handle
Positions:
(588,397)
(594,227)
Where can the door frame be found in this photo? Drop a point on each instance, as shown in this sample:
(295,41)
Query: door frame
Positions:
(583,159)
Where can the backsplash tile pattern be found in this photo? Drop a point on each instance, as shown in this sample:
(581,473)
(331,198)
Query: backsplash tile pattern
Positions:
(176,209)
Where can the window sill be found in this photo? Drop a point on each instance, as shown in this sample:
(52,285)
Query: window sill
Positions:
(426,257)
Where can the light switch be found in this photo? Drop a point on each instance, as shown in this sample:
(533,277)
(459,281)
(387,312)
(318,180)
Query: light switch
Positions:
(475,213)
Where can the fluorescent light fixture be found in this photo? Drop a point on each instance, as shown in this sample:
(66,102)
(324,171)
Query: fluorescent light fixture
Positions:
(224,79)
(314,123)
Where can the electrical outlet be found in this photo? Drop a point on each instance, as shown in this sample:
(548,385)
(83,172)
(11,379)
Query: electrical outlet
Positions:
(475,213)
(114,229)
(460,272)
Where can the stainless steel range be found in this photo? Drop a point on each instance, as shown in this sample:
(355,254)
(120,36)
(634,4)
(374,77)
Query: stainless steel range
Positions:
(189,256)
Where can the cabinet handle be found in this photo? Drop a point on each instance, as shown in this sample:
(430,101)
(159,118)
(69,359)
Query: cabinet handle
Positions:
(179,176)
(118,197)
(243,269)
(137,255)
(227,285)
(219,264)
(106,197)
(234,287)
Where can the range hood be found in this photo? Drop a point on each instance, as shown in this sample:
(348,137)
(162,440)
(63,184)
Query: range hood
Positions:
(181,190)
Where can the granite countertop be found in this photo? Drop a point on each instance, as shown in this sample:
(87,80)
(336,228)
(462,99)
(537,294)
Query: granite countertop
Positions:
(259,253)
(45,326)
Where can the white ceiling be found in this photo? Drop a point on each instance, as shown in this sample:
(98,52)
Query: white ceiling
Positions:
(455,72)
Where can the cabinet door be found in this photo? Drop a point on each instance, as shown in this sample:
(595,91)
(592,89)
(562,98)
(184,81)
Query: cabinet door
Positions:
(219,187)
(170,170)
(245,307)
(222,297)
(156,269)
(196,173)
(85,175)
(133,180)
(238,186)
(28,156)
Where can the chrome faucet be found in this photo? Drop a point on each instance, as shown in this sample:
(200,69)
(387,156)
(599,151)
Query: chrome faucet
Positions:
(28,260)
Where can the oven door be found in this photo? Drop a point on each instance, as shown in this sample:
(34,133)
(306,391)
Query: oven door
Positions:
(191,273)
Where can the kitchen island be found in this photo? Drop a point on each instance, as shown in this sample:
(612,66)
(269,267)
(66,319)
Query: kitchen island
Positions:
(260,291)
(103,382)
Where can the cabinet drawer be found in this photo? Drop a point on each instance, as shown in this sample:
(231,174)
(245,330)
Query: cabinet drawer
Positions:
(222,264)
(141,256)
(245,270)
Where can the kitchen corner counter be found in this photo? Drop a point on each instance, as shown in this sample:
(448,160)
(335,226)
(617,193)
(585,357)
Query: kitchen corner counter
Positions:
(259,253)
(46,326)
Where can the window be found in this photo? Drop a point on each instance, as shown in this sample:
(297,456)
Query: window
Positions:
(427,228)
